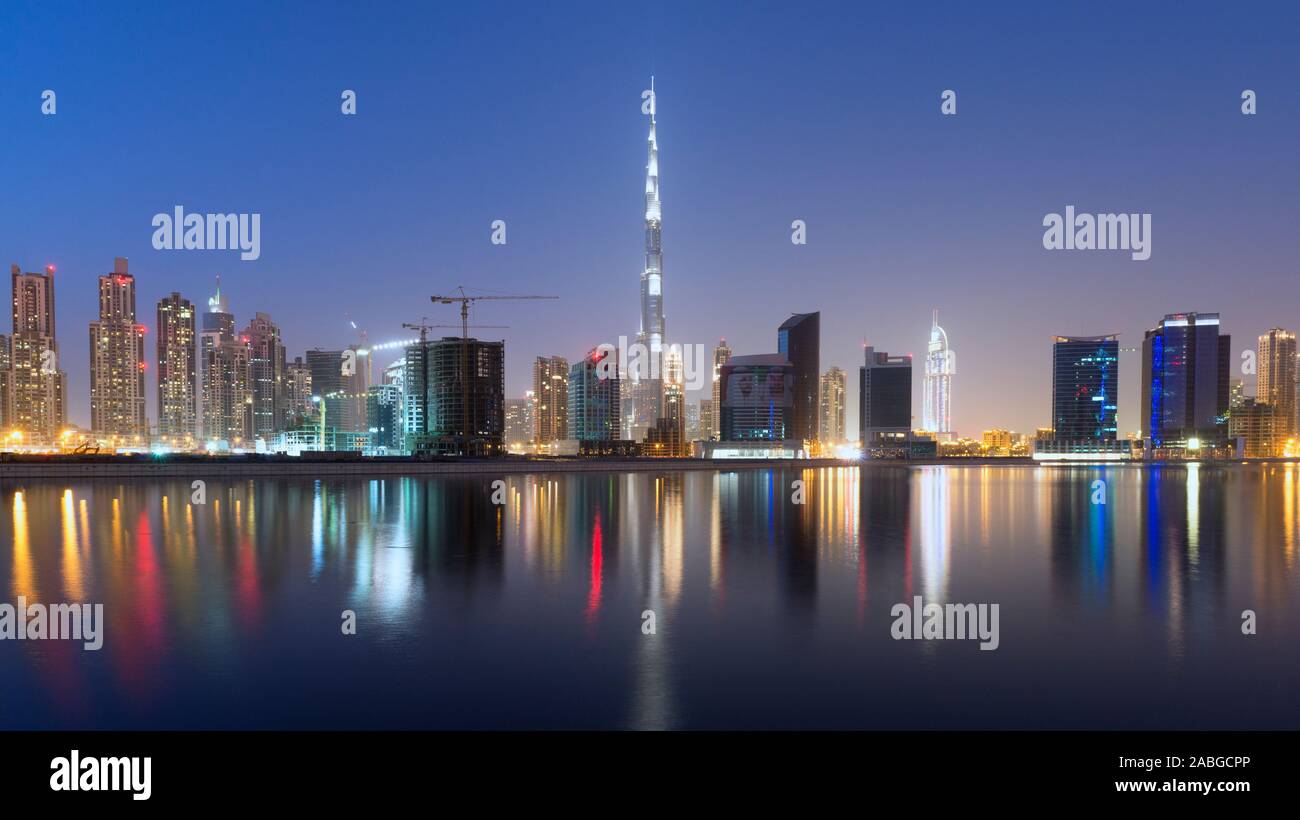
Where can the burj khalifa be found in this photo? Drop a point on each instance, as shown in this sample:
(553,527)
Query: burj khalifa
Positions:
(646,381)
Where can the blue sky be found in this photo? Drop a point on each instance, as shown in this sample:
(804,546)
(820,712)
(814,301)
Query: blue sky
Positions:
(767,113)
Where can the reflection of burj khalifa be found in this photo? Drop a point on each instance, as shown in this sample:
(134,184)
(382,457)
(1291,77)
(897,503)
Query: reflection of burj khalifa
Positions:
(647,386)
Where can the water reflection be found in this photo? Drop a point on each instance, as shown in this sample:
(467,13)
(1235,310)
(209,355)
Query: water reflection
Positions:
(461,598)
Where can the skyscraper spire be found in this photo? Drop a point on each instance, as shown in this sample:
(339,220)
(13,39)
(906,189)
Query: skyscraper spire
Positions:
(216,303)
(647,387)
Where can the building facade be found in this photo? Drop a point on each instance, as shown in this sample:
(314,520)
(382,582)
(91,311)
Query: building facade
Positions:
(1085,388)
(799,340)
(384,418)
(223,367)
(298,392)
(266,371)
(551,389)
(464,398)
(940,365)
(721,354)
(177,372)
(37,385)
(833,387)
(645,389)
(1185,384)
(1276,384)
(117,364)
(884,403)
(593,412)
(757,398)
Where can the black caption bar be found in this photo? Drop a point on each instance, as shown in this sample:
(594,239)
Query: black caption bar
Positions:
(142,771)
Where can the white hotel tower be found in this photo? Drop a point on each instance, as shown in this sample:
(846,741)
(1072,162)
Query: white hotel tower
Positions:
(940,365)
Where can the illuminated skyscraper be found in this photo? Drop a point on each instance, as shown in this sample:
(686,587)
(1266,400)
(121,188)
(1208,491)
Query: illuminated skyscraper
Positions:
(298,387)
(757,398)
(266,368)
(799,340)
(708,419)
(1276,380)
(832,406)
(465,386)
(721,354)
(1185,388)
(1085,388)
(518,431)
(384,418)
(117,362)
(646,386)
(668,436)
(551,388)
(223,364)
(884,402)
(940,365)
(38,399)
(593,404)
(177,372)
(5,375)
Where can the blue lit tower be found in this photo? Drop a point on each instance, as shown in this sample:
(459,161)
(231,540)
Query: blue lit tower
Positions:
(1085,388)
(1185,366)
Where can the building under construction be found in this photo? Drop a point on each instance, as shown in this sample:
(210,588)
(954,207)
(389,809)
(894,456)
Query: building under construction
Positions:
(462,382)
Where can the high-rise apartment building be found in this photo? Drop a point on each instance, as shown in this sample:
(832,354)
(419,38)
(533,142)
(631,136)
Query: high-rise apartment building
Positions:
(551,389)
(266,369)
(117,363)
(37,385)
(223,366)
(298,392)
(833,387)
(6,367)
(721,354)
(1276,384)
(518,430)
(177,372)
(708,419)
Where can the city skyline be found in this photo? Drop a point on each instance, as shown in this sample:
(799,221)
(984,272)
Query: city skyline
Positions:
(729,233)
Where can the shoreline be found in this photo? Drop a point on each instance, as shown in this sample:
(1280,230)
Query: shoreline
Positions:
(91,467)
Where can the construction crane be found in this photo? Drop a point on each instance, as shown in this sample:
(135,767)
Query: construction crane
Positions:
(465,299)
(425,328)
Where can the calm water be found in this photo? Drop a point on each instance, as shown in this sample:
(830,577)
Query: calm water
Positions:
(768,614)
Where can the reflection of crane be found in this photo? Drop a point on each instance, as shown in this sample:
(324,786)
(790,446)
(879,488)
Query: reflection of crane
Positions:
(465,300)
